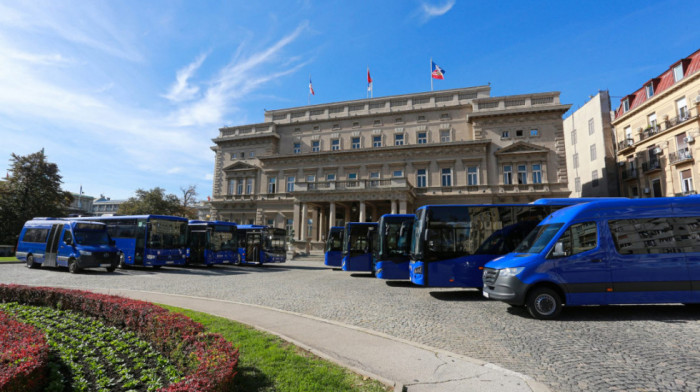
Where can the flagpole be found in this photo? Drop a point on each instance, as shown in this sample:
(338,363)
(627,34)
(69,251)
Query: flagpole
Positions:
(308,99)
(431,74)
(368,84)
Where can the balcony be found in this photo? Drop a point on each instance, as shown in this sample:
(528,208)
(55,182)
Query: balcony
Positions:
(630,174)
(652,165)
(672,122)
(650,131)
(625,144)
(680,156)
(351,185)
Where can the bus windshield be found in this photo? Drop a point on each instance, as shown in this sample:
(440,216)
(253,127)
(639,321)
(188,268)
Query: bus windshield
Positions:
(91,237)
(538,239)
(167,234)
(335,241)
(274,241)
(393,239)
(222,238)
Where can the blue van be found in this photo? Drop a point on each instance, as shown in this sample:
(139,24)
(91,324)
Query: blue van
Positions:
(605,252)
(62,243)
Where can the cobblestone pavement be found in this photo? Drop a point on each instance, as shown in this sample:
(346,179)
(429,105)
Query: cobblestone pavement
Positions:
(617,348)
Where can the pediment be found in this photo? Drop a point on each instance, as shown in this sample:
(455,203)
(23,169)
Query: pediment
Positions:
(240,166)
(522,148)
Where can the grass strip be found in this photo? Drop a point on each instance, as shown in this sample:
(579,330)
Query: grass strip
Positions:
(268,363)
(11,259)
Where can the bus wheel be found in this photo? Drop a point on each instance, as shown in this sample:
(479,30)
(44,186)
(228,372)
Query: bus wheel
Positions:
(122,261)
(111,269)
(544,304)
(30,262)
(73,266)
(156,267)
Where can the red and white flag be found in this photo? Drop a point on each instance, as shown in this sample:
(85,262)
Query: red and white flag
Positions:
(311,87)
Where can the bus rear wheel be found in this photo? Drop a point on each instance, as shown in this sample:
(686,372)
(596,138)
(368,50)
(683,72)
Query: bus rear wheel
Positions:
(544,303)
(30,262)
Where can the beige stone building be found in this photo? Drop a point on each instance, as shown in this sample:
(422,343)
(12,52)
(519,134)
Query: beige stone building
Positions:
(308,168)
(590,149)
(656,128)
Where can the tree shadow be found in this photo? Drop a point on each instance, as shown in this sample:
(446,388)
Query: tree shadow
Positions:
(250,378)
(466,295)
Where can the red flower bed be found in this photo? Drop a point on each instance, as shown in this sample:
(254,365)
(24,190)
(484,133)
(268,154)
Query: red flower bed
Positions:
(207,360)
(24,355)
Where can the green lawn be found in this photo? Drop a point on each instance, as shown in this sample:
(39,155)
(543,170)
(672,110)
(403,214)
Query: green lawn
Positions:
(8,259)
(268,363)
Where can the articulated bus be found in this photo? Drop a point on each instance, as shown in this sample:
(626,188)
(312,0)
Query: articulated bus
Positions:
(210,243)
(451,243)
(393,245)
(334,247)
(259,244)
(604,252)
(357,250)
(147,240)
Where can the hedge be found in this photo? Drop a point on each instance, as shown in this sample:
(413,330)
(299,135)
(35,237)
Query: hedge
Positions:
(24,356)
(207,360)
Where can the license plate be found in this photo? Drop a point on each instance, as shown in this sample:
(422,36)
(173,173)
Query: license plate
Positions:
(105,265)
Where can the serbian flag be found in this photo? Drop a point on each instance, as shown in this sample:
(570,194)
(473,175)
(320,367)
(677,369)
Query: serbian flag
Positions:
(369,78)
(438,73)
(311,87)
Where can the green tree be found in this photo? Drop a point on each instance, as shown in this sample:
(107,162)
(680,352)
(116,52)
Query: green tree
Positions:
(154,201)
(32,190)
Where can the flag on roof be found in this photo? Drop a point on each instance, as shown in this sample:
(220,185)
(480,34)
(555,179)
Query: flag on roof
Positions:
(438,73)
(311,87)
(369,78)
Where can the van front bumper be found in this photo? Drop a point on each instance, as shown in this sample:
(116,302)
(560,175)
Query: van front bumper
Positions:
(98,259)
(508,289)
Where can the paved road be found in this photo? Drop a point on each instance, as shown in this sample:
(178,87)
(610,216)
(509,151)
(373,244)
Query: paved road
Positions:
(639,348)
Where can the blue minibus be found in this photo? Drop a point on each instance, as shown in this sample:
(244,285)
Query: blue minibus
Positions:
(258,244)
(391,253)
(451,243)
(334,247)
(147,240)
(62,243)
(211,242)
(637,251)
(357,250)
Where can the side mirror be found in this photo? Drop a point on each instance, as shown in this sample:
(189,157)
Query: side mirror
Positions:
(559,250)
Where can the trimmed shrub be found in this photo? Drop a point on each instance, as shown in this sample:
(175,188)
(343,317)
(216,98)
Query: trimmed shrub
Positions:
(24,356)
(207,360)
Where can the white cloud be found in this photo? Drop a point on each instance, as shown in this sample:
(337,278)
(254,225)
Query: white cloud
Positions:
(429,11)
(180,90)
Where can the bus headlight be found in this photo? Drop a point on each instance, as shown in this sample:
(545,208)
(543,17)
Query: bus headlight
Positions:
(86,253)
(508,272)
(151,257)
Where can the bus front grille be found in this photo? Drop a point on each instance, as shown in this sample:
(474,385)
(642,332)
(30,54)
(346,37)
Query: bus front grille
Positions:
(490,276)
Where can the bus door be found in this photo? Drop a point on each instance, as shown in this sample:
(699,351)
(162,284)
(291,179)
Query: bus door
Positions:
(252,252)
(52,245)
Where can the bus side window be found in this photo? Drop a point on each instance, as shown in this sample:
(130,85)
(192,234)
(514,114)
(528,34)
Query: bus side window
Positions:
(580,238)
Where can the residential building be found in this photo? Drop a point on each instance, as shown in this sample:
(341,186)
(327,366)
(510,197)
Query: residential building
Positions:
(590,149)
(656,127)
(308,168)
(104,206)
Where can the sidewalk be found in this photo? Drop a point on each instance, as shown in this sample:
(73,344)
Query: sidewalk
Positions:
(406,365)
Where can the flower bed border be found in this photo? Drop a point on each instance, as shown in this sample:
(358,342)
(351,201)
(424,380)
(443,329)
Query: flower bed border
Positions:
(24,356)
(207,360)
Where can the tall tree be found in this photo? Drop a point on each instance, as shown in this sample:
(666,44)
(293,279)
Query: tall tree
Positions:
(33,189)
(189,200)
(154,201)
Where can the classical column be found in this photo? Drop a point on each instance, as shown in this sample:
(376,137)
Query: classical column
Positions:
(321,224)
(304,221)
(331,216)
(403,207)
(362,210)
(296,219)
(393,206)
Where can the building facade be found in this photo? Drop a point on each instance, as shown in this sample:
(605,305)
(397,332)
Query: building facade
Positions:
(308,168)
(656,127)
(104,206)
(590,149)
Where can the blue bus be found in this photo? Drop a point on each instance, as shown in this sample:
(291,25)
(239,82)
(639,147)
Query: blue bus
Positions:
(357,250)
(147,240)
(638,251)
(62,243)
(211,242)
(451,243)
(393,245)
(259,244)
(334,247)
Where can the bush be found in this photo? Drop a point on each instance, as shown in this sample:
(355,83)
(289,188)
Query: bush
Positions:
(207,360)
(24,356)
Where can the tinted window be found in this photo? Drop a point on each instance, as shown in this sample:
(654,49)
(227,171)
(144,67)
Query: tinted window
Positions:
(36,235)
(580,238)
(656,235)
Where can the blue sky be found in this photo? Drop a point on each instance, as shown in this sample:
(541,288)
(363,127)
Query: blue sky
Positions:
(128,94)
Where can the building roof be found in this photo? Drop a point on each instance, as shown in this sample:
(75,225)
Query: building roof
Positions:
(691,65)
